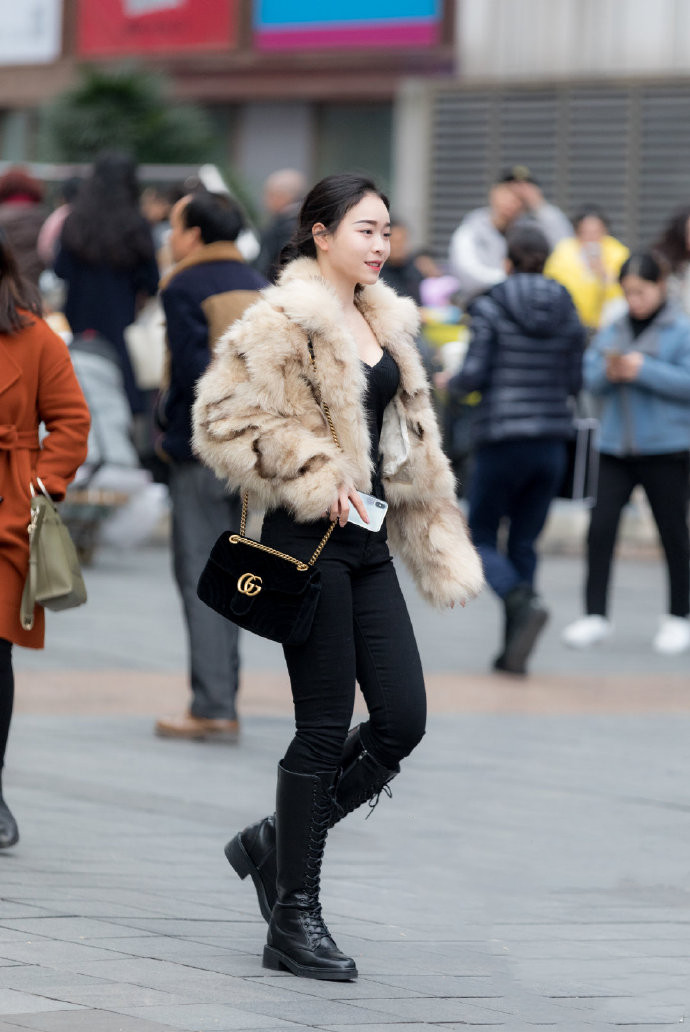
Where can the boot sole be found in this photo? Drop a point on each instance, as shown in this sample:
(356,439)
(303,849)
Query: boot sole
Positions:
(274,960)
(242,864)
(515,658)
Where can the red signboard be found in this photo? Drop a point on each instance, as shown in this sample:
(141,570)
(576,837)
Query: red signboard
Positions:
(108,28)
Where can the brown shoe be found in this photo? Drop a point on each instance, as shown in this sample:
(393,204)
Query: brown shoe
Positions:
(198,728)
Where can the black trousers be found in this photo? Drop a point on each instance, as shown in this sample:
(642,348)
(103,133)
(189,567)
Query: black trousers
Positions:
(665,481)
(6,698)
(361,632)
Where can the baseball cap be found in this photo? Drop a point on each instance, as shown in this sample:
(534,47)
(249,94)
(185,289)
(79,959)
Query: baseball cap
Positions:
(517,174)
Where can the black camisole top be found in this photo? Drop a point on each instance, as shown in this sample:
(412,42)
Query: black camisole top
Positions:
(383,380)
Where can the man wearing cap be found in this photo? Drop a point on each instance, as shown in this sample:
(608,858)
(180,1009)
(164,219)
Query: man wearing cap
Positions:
(478,246)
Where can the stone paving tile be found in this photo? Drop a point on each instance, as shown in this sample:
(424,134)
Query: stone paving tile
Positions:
(408,1026)
(435,1009)
(88,1021)
(14,1001)
(362,989)
(316,1011)
(69,955)
(460,986)
(211,1017)
(69,929)
(36,978)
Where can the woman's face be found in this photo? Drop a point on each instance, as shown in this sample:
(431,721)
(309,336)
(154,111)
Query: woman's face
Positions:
(643,297)
(356,251)
(591,230)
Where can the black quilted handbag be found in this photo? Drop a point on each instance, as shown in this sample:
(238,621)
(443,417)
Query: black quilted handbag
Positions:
(259,588)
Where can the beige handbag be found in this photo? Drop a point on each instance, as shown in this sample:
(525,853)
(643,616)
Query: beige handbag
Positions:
(54,579)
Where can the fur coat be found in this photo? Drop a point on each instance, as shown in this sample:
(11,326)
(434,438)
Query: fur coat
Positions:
(259,425)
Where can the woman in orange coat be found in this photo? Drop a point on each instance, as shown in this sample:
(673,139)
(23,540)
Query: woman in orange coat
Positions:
(37,385)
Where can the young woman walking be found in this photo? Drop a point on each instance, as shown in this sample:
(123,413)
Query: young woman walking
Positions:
(37,385)
(259,423)
(639,367)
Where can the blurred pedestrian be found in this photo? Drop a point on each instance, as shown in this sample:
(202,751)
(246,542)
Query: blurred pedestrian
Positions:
(553,223)
(207,289)
(37,385)
(587,264)
(106,257)
(639,367)
(478,247)
(22,213)
(259,422)
(525,356)
(437,287)
(400,271)
(51,230)
(282,196)
(674,246)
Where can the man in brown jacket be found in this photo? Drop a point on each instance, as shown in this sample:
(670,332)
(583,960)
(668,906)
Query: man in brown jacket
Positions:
(206,291)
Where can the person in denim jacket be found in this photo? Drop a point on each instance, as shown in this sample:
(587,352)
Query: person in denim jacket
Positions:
(639,367)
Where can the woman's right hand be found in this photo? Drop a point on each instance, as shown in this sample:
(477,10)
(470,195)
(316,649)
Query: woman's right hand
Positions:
(340,509)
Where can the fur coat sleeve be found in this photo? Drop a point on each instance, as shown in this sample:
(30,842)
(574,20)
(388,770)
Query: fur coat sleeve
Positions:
(257,420)
(259,424)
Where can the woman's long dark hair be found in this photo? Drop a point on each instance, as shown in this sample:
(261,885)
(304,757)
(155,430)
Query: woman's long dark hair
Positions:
(105,225)
(16,293)
(328,202)
(673,242)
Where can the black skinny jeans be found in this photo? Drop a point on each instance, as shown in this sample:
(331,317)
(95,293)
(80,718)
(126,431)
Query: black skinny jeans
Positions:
(665,481)
(6,697)
(362,632)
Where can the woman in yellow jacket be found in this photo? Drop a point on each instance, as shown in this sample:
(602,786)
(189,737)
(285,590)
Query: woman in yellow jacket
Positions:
(587,265)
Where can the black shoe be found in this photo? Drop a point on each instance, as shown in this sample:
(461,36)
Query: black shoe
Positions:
(298,939)
(9,832)
(525,619)
(253,851)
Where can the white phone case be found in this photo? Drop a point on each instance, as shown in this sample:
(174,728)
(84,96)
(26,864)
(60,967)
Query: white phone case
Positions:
(376,511)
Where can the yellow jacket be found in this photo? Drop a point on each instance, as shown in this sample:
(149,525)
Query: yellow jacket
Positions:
(568,266)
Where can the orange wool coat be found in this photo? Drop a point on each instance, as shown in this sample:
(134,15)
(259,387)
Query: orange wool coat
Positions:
(37,384)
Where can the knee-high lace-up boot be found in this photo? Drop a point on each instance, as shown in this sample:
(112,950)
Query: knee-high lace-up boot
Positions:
(298,938)
(253,851)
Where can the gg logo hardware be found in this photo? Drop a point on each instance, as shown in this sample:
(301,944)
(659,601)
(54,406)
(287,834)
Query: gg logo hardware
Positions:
(249,584)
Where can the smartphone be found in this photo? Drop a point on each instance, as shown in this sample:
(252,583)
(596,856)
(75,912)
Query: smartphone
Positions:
(376,511)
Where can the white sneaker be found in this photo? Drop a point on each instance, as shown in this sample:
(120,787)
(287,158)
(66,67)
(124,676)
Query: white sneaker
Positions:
(673,635)
(587,631)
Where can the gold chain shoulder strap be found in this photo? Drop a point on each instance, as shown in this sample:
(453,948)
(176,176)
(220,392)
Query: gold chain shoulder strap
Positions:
(245,496)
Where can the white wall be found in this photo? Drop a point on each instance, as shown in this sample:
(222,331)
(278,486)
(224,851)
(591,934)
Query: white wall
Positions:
(532,39)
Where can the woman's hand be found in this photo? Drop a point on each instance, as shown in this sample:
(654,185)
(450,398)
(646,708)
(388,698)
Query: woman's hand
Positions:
(340,509)
(624,368)
(441,379)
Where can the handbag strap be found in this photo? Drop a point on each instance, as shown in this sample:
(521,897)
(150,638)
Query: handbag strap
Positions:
(245,496)
(28,603)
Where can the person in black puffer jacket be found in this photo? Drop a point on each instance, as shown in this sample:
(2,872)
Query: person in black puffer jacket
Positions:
(525,356)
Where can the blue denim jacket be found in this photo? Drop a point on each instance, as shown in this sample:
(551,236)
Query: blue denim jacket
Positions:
(651,415)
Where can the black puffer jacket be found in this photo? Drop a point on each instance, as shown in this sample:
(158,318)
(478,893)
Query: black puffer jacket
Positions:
(525,357)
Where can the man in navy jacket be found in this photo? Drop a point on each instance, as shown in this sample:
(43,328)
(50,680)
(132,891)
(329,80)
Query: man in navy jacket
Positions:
(208,288)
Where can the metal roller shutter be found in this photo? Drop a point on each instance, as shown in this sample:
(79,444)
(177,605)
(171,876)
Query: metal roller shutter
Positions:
(624,147)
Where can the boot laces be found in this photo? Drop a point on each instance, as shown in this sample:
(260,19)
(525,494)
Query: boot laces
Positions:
(314,924)
(374,799)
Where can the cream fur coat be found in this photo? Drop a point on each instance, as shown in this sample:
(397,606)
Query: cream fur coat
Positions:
(258,423)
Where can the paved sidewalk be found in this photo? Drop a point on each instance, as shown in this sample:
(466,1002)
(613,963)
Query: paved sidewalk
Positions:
(531,870)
